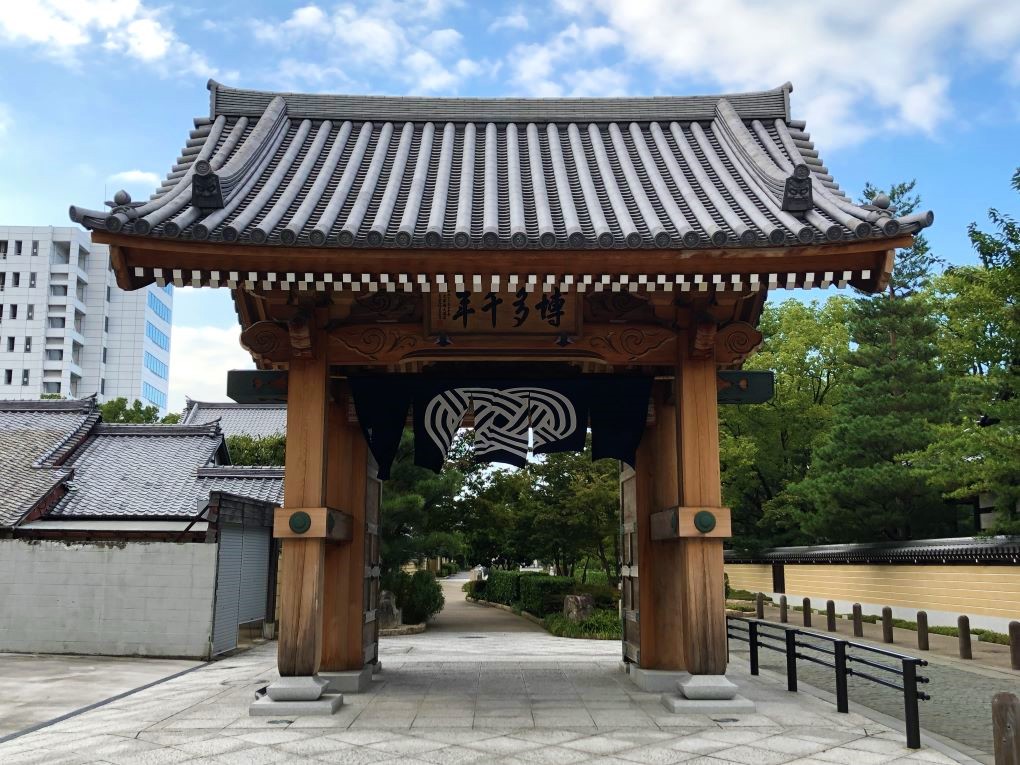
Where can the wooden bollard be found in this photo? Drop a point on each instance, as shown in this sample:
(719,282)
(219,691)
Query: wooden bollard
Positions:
(963,625)
(759,605)
(1014,645)
(784,615)
(858,621)
(830,615)
(922,630)
(1006,728)
(887,636)
(807,612)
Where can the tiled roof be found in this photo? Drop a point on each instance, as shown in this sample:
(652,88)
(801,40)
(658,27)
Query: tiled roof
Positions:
(34,439)
(259,483)
(348,171)
(258,420)
(140,470)
(961,550)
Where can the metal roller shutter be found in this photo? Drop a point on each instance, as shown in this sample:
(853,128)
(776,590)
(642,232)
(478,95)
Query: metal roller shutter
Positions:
(254,573)
(228,583)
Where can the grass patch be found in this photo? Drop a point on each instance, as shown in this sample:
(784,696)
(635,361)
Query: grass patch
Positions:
(603,625)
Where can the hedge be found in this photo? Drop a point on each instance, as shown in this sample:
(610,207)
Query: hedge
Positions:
(541,595)
(503,587)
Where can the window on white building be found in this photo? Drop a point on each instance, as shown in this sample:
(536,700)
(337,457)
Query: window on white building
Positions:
(17,248)
(10,344)
(31,278)
(24,377)
(53,388)
(28,345)
(35,247)
(153,396)
(8,376)
(31,312)
(16,279)
(57,322)
(14,311)
(58,290)
(55,354)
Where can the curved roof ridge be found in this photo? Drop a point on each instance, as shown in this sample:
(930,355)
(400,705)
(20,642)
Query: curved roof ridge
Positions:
(229,101)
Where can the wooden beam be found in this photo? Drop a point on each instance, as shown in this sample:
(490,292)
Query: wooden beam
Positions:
(696,522)
(302,560)
(310,522)
(703,601)
(343,611)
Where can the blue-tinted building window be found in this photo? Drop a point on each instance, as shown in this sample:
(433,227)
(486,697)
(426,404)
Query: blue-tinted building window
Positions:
(159,308)
(168,289)
(156,366)
(156,336)
(154,396)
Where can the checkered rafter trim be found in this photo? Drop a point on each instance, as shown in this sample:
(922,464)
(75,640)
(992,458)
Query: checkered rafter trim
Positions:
(409,282)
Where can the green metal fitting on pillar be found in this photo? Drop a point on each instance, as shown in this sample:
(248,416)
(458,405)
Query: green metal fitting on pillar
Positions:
(300,522)
(704,521)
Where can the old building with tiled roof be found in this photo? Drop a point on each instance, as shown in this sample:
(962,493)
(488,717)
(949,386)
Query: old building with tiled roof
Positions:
(257,420)
(132,520)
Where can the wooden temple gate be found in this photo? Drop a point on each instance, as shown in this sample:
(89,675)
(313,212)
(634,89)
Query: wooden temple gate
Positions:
(404,236)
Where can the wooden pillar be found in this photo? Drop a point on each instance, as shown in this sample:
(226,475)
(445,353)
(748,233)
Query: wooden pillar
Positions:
(301,563)
(343,592)
(659,561)
(703,600)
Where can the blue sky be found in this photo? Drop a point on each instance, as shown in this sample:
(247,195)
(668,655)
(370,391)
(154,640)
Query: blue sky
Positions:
(97,95)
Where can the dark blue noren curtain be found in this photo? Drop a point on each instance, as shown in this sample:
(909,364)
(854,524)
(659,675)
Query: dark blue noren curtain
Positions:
(556,413)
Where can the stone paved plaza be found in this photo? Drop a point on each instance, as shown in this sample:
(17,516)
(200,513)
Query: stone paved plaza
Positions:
(463,697)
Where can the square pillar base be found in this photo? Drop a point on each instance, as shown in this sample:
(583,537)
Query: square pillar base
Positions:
(656,680)
(325,705)
(679,704)
(350,681)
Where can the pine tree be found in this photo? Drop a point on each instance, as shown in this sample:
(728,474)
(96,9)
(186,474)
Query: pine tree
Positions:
(859,485)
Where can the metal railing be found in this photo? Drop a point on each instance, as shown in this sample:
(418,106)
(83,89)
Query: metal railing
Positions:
(792,643)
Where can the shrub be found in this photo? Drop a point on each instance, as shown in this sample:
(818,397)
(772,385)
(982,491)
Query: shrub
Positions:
(448,569)
(541,595)
(503,587)
(475,589)
(399,583)
(603,625)
(594,576)
(741,595)
(423,599)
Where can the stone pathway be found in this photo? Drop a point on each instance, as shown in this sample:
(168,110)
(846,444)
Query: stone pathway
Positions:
(460,616)
(463,697)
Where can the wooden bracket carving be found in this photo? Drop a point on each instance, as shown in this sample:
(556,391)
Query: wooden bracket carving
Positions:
(735,342)
(690,522)
(300,330)
(312,523)
(267,339)
(703,339)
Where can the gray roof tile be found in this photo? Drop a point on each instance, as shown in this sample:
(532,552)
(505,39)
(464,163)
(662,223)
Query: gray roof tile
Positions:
(34,437)
(258,420)
(353,171)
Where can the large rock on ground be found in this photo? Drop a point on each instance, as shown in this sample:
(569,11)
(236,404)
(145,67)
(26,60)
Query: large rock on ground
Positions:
(387,612)
(577,608)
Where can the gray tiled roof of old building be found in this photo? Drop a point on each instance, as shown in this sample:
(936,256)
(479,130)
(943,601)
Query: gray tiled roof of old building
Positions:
(35,437)
(258,420)
(350,171)
(155,471)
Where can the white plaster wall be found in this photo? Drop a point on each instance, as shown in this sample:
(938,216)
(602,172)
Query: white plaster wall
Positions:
(138,598)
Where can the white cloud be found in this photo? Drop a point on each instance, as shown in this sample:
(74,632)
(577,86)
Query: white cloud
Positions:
(136,178)
(65,29)
(515,20)
(599,82)
(399,39)
(199,360)
(537,68)
(857,67)
(442,40)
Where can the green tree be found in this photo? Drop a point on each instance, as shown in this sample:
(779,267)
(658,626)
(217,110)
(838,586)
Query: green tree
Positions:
(978,450)
(859,487)
(268,451)
(117,410)
(765,449)
(418,514)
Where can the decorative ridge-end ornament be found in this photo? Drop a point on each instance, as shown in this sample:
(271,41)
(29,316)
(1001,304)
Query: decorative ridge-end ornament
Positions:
(797,194)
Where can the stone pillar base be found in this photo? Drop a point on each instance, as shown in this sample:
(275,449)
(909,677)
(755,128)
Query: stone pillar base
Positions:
(326,705)
(350,681)
(655,680)
(706,695)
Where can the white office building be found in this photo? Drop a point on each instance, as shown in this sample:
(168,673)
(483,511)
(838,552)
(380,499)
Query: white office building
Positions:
(67,329)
